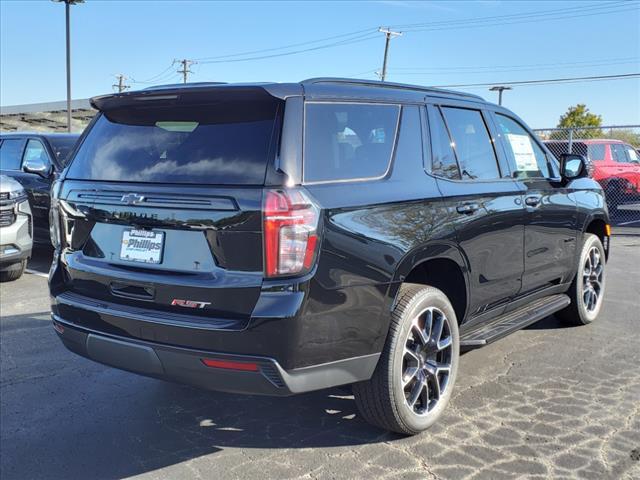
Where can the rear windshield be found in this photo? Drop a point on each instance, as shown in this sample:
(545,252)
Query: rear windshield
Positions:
(219,143)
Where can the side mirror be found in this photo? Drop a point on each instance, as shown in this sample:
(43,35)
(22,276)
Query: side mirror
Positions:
(37,166)
(573,166)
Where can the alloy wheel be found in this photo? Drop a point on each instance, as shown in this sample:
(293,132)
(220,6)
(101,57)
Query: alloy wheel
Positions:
(592,276)
(427,359)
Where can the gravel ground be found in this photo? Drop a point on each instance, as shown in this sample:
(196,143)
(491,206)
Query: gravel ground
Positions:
(547,401)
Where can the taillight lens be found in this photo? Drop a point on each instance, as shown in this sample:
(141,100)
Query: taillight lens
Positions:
(290,232)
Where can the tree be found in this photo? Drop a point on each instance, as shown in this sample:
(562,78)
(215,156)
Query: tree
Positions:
(579,117)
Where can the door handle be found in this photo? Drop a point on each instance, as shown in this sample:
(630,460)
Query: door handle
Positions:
(467,208)
(532,201)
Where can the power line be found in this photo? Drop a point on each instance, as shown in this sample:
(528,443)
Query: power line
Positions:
(597,9)
(284,47)
(156,77)
(358,39)
(547,81)
(492,68)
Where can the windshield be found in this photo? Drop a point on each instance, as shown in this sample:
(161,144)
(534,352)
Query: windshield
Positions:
(228,143)
(62,147)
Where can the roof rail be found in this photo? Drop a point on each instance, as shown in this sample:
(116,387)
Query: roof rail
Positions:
(377,83)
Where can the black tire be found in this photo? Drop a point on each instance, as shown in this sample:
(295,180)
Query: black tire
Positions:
(13,272)
(582,311)
(384,400)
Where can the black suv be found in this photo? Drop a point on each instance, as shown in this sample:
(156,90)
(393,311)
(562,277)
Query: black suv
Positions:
(34,160)
(282,238)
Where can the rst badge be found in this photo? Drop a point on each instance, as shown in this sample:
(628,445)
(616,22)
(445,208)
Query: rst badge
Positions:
(189,303)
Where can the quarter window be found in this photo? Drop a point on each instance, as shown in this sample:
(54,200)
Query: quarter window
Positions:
(10,150)
(348,141)
(525,154)
(472,143)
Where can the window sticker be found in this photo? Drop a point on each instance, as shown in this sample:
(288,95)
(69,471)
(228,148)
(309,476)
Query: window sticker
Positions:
(523,152)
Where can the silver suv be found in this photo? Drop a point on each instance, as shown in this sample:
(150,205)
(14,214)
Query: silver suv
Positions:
(16,229)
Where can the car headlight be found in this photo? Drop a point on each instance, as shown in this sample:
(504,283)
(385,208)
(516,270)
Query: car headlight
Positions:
(23,207)
(13,194)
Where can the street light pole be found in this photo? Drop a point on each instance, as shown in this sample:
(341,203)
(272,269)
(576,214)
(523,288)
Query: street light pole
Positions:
(67,14)
(499,89)
(68,28)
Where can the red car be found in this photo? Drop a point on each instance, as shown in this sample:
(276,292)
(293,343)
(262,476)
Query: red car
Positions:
(615,165)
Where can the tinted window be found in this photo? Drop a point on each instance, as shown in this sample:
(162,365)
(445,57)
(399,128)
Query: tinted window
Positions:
(62,147)
(223,143)
(595,152)
(10,151)
(526,155)
(348,141)
(619,153)
(35,152)
(444,160)
(472,143)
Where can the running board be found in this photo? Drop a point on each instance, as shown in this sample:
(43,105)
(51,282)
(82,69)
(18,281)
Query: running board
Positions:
(502,326)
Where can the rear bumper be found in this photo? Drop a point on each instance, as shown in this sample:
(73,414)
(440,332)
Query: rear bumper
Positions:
(186,365)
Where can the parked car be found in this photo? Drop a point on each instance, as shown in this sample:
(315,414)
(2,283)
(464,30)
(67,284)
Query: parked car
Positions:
(282,238)
(34,160)
(615,165)
(16,229)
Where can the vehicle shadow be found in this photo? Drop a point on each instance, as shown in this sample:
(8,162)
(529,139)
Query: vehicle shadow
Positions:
(87,420)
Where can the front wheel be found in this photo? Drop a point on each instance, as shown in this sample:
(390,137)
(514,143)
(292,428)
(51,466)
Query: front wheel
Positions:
(13,272)
(588,286)
(413,380)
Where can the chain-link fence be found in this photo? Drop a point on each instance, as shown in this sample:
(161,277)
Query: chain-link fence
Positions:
(613,154)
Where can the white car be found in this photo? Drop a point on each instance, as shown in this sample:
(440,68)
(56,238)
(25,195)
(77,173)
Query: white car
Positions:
(16,229)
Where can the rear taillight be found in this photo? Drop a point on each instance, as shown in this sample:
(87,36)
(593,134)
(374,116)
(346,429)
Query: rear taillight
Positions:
(290,232)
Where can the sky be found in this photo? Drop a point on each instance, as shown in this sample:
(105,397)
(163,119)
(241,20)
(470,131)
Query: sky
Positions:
(443,43)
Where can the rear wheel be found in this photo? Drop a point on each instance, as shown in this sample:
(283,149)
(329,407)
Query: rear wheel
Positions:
(588,286)
(13,272)
(412,383)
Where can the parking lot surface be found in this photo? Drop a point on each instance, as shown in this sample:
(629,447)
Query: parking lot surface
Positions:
(548,401)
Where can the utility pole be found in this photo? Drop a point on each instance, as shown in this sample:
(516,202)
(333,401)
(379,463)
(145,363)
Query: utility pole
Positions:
(185,68)
(499,89)
(120,85)
(67,14)
(389,34)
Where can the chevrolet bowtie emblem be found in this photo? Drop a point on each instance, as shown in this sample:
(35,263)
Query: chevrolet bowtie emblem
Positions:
(132,198)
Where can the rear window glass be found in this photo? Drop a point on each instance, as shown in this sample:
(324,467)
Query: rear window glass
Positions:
(10,151)
(348,141)
(228,143)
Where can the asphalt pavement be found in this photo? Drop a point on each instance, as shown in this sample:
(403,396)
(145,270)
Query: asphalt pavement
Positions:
(546,402)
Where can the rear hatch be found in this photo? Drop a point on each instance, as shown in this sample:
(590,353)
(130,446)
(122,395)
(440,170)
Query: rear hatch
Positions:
(161,205)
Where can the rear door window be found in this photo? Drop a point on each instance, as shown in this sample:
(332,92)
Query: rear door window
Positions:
(348,141)
(444,159)
(10,153)
(471,143)
(226,143)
